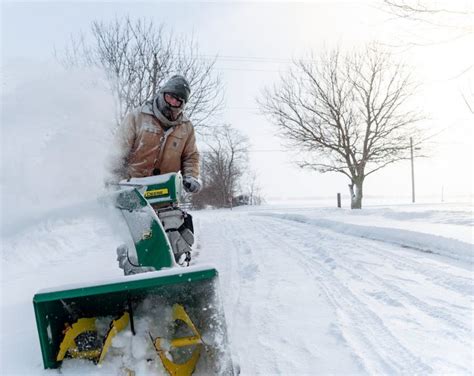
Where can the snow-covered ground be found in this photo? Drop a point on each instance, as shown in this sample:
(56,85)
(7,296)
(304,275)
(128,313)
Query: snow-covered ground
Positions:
(306,290)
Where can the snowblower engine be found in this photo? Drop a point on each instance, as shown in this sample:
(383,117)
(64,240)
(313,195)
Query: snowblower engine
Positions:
(179,227)
(163,194)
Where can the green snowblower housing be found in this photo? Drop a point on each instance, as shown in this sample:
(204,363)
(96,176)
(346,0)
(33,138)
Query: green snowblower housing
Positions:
(65,315)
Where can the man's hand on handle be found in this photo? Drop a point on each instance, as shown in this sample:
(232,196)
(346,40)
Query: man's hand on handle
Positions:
(191,184)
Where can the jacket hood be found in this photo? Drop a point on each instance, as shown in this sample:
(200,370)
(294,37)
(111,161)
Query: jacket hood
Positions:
(150,108)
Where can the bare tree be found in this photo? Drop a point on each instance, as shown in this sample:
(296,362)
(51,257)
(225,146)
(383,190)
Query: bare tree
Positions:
(252,188)
(223,164)
(347,112)
(454,15)
(137,56)
(438,24)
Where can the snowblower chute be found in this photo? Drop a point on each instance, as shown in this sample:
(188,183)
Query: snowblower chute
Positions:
(186,326)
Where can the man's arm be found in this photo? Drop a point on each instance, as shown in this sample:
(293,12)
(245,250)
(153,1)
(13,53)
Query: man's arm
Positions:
(190,157)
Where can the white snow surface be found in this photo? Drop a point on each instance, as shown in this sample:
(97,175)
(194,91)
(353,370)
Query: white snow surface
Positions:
(306,291)
(149,180)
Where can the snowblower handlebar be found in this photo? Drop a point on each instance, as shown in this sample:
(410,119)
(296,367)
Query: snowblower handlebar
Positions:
(158,189)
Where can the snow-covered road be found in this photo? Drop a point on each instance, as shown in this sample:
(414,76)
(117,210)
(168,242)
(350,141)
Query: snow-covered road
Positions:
(307,300)
(301,296)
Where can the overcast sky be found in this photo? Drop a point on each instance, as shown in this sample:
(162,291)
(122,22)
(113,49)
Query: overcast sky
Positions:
(257,41)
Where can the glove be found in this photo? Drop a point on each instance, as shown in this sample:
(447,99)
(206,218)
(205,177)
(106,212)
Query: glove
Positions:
(191,184)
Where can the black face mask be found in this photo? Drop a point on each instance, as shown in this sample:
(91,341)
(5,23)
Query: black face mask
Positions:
(172,113)
(172,100)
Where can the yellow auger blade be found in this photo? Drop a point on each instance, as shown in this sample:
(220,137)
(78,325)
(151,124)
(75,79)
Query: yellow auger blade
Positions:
(115,327)
(71,333)
(187,368)
(69,346)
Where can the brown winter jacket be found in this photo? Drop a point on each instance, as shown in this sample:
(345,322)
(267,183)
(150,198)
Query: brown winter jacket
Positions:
(139,150)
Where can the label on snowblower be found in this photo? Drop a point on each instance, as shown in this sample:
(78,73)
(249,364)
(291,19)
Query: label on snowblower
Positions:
(156,193)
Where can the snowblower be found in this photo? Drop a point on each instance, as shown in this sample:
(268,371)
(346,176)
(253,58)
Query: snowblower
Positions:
(185,326)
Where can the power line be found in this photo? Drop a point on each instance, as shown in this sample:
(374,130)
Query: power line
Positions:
(266,151)
(249,60)
(252,59)
(242,108)
(249,70)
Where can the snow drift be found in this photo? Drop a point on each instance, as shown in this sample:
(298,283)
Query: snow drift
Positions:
(56,128)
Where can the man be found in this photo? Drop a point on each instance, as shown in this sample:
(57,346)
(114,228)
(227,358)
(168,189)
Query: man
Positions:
(157,138)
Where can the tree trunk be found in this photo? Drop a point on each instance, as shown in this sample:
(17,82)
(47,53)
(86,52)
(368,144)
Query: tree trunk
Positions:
(356,196)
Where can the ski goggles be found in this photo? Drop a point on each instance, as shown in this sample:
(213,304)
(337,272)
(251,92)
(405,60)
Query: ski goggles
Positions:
(173,100)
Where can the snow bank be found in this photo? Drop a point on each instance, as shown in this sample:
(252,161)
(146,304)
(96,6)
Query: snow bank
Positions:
(56,128)
(424,242)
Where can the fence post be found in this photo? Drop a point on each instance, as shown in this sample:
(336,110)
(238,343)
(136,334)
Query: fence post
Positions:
(338,200)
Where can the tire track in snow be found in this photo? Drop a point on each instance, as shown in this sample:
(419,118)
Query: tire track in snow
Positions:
(455,283)
(463,285)
(429,309)
(226,238)
(267,321)
(460,285)
(261,316)
(376,305)
(380,350)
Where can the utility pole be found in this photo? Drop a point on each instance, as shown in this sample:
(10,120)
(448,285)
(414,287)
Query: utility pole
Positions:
(412,172)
